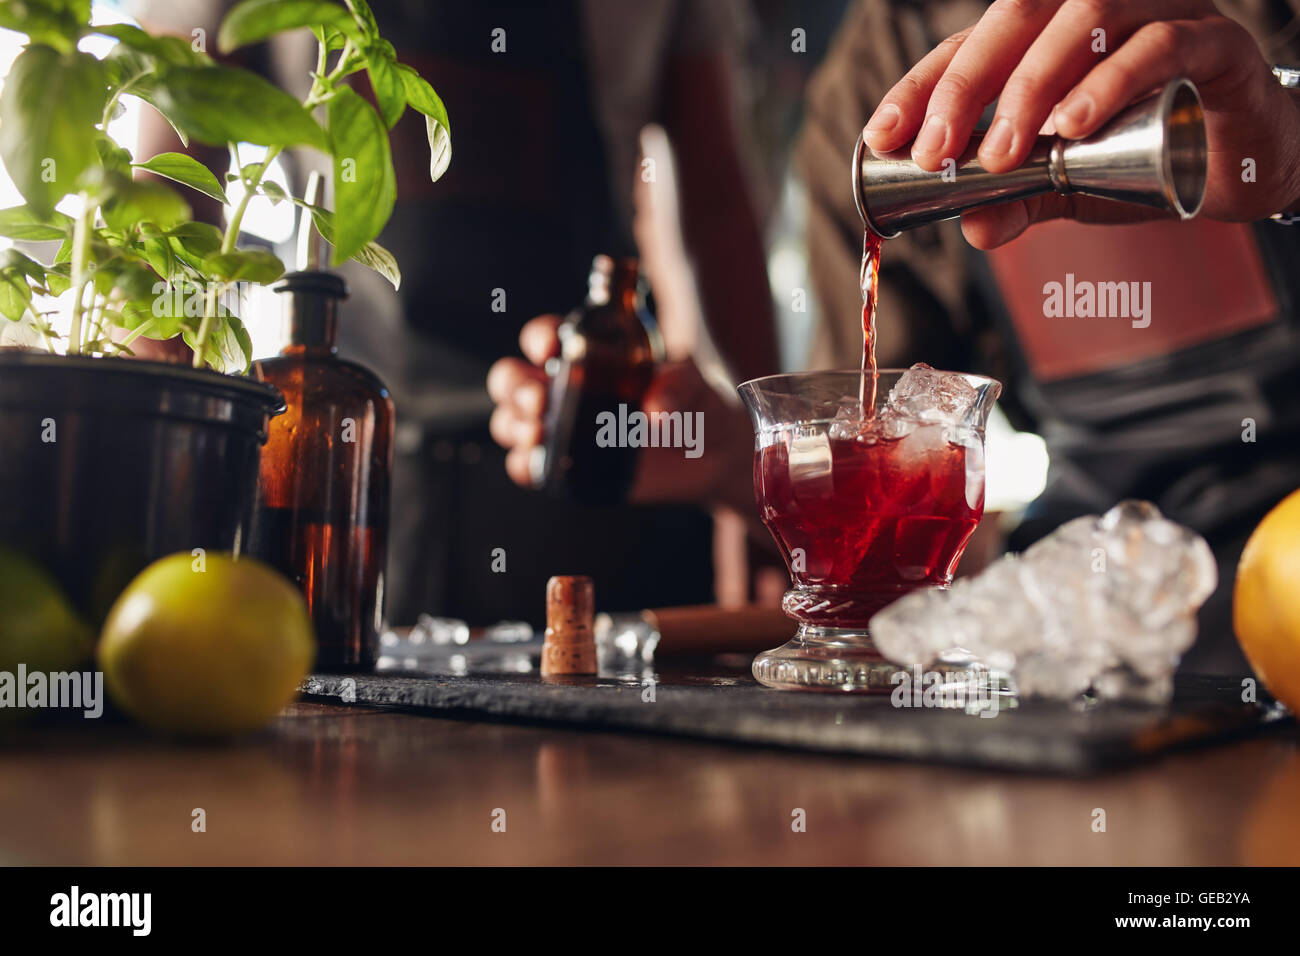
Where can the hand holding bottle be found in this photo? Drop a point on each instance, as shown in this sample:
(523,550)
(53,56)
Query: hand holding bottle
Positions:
(519,388)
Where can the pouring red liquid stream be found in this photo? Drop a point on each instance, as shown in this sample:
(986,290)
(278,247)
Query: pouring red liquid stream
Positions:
(869,280)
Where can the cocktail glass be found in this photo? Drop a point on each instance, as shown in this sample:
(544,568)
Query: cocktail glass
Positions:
(863,508)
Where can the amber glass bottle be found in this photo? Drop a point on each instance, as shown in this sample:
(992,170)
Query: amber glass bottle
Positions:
(608,350)
(322,515)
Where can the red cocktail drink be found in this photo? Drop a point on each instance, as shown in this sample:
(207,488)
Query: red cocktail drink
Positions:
(864,505)
(881,519)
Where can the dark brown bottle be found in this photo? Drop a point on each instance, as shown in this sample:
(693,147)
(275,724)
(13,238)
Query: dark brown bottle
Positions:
(322,516)
(608,350)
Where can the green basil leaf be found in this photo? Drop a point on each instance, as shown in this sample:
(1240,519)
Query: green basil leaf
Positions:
(372,254)
(251,172)
(421,96)
(386,81)
(107,247)
(274,192)
(254,20)
(221,104)
(228,347)
(247,265)
(157,251)
(163,312)
(51,103)
(195,241)
(56,24)
(366,17)
(58,278)
(15,295)
(241,360)
(19,222)
(14,261)
(102,275)
(188,171)
(330,38)
(198,235)
(168,50)
(111,156)
(134,202)
(145,89)
(365,186)
(15,290)
(125,66)
(78,9)
(135,279)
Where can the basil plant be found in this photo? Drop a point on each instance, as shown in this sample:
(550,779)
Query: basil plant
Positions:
(136,261)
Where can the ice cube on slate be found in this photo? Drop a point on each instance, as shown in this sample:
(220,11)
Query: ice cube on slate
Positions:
(438,630)
(931,396)
(1106,604)
(508,632)
(624,642)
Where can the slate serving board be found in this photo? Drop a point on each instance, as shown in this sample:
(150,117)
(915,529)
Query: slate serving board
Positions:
(726,704)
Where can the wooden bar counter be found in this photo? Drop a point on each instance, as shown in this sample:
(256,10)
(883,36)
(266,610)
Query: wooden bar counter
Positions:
(328,785)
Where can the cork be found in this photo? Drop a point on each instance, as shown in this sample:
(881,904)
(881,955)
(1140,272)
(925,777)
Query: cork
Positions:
(569,645)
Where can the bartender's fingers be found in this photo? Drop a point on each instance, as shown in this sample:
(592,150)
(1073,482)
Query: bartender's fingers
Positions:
(1202,50)
(1063,53)
(975,75)
(899,113)
(518,466)
(517,383)
(509,429)
(539,338)
(519,390)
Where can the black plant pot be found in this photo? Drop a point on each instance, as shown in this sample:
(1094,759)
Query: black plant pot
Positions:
(109,464)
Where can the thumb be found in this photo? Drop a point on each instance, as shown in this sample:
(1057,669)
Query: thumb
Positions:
(994,226)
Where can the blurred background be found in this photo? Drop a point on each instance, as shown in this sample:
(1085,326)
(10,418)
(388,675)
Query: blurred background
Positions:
(712,139)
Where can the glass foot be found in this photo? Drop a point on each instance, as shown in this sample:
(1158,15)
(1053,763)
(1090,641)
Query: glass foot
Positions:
(829,659)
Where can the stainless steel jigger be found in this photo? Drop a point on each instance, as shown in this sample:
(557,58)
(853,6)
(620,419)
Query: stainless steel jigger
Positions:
(1154,154)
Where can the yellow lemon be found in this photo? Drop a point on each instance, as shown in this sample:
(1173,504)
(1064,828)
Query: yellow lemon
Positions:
(1266,601)
(207,645)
